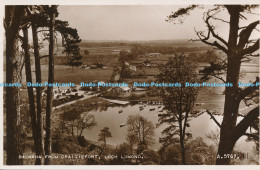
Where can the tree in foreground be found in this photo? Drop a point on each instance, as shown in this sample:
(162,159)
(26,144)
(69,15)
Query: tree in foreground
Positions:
(85,121)
(12,21)
(48,138)
(140,131)
(103,135)
(179,100)
(39,19)
(238,47)
(72,118)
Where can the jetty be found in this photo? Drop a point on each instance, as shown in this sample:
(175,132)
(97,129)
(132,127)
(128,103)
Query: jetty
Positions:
(117,101)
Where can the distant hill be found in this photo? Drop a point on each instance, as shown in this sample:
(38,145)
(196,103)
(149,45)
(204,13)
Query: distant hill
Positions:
(178,42)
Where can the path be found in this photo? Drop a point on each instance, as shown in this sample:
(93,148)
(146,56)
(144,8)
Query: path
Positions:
(74,101)
(116,101)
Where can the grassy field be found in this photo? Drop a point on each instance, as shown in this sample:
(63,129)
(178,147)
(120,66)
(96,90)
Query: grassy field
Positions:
(65,74)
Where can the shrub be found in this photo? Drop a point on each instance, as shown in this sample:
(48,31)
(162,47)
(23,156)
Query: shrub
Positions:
(82,141)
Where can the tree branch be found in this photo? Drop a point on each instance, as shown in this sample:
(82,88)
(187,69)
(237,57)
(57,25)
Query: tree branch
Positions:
(205,39)
(250,49)
(219,19)
(218,77)
(215,120)
(44,56)
(245,34)
(243,125)
(28,11)
(255,137)
(42,31)
(249,90)
(180,13)
(250,55)
(210,27)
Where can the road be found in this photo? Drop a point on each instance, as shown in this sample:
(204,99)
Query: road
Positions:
(74,101)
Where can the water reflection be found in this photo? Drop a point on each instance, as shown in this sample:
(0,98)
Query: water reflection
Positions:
(211,98)
(199,126)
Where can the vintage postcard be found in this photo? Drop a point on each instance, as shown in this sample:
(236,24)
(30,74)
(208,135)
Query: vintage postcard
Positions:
(129,83)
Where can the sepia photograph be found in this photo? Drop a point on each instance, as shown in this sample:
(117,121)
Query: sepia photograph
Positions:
(168,84)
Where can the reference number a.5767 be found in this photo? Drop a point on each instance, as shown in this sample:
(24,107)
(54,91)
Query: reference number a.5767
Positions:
(232,156)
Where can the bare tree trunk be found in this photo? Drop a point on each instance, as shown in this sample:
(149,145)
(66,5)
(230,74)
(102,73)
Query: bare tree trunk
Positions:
(228,125)
(72,128)
(38,89)
(12,21)
(105,143)
(183,161)
(31,95)
(231,105)
(50,88)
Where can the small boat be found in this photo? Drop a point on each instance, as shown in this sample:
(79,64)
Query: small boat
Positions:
(141,108)
(152,109)
(161,111)
(160,115)
(122,125)
(120,111)
(159,107)
(144,105)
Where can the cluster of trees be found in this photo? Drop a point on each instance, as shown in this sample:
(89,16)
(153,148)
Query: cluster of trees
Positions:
(197,153)
(179,102)
(76,117)
(124,69)
(140,137)
(42,21)
(208,56)
(140,131)
(104,43)
(141,49)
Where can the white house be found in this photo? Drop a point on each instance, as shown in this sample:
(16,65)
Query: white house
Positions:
(132,68)
(153,55)
(121,89)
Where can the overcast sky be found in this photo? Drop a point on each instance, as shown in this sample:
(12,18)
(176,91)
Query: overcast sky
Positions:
(142,22)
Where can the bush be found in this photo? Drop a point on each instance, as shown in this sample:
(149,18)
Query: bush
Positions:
(111,95)
(84,88)
(153,93)
(66,145)
(82,141)
(150,157)
(132,96)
